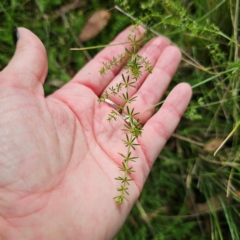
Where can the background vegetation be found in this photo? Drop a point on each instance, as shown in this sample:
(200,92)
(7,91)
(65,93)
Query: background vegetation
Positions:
(190,193)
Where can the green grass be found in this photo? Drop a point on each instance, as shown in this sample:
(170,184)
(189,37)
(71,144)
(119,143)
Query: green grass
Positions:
(186,176)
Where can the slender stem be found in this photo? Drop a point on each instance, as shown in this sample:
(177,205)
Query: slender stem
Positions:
(129,147)
(235,84)
(100,46)
(236,30)
(128,151)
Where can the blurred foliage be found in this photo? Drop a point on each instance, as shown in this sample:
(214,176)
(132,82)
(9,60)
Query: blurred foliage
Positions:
(58,29)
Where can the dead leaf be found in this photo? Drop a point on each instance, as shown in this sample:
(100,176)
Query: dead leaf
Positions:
(94,25)
(213,144)
(201,208)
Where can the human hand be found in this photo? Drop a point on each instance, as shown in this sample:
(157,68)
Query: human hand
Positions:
(59,155)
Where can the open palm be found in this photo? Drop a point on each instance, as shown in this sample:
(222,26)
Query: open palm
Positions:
(59,155)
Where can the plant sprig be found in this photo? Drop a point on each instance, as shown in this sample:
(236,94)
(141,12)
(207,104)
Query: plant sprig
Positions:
(133,128)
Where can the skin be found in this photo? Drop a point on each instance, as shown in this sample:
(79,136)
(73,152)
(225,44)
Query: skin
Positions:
(59,155)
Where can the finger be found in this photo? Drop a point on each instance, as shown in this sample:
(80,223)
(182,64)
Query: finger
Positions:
(28,67)
(156,83)
(160,127)
(151,52)
(90,76)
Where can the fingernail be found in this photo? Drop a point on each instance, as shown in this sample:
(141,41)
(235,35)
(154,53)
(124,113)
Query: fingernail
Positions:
(15,35)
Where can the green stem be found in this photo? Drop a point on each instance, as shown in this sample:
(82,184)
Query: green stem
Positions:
(126,164)
(99,46)
(128,152)
(129,147)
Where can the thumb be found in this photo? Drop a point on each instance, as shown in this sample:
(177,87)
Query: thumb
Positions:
(28,67)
